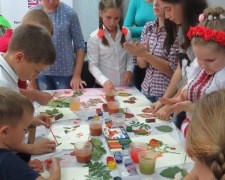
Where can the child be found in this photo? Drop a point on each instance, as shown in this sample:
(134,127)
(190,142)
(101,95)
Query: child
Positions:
(16,113)
(160,63)
(206,136)
(36,16)
(30,51)
(108,61)
(207,71)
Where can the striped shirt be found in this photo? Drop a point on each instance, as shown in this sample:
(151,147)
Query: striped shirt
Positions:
(155,82)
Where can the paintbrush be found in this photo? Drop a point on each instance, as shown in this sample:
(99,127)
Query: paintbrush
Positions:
(159,155)
(128,144)
(53,136)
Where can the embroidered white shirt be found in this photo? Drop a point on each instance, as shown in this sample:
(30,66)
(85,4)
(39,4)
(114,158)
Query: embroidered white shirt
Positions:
(109,62)
(8,77)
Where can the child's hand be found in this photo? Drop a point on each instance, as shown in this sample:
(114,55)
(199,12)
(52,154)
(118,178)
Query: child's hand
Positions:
(37,167)
(136,49)
(156,106)
(42,119)
(43,146)
(52,165)
(181,106)
(76,83)
(127,77)
(108,85)
(163,113)
(40,97)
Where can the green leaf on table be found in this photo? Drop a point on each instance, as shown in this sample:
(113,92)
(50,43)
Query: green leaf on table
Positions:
(66,131)
(101,150)
(96,141)
(66,127)
(51,112)
(77,94)
(121,110)
(59,116)
(54,104)
(57,136)
(172,171)
(58,144)
(164,128)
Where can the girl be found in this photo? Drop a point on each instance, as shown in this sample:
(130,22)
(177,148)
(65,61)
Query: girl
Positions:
(180,16)
(208,150)
(108,61)
(206,73)
(160,63)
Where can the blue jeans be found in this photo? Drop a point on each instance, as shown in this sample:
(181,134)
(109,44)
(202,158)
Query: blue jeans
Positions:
(151,98)
(46,82)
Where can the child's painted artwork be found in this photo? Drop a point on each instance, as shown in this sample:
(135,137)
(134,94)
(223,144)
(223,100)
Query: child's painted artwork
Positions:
(91,102)
(147,110)
(67,113)
(138,112)
(72,173)
(139,100)
(68,135)
(172,152)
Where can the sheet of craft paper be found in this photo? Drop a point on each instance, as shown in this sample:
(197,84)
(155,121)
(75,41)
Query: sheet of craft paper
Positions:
(138,110)
(73,173)
(178,155)
(67,134)
(141,101)
(67,113)
(87,102)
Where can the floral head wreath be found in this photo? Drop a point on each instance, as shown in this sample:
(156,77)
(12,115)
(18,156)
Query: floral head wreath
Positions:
(210,17)
(208,34)
(101,32)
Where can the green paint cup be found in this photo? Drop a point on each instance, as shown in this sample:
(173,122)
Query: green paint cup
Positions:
(146,164)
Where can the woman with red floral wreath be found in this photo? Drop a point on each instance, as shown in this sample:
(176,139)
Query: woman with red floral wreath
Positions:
(206,73)
(108,61)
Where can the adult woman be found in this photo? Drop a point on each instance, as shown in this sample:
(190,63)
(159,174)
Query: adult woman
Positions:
(67,38)
(180,16)
(138,14)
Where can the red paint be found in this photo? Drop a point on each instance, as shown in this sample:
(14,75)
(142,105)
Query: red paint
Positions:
(134,154)
(113,109)
(83,157)
(95,130)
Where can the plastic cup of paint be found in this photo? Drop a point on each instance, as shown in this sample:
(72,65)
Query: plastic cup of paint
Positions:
(109,94)
(118,119)
(74,103)
(113,107)
(137,148)
(83,151)
(95,127)
(146,163)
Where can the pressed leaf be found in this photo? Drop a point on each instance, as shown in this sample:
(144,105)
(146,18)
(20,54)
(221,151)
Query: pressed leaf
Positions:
(96,141)
(172,171)
(164,128)
(66,131)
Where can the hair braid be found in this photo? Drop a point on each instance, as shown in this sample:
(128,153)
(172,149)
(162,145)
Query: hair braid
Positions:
(104,40)
(218,166)
(123,39)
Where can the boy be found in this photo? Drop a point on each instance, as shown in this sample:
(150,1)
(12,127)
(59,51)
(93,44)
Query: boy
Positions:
(16,113)
(36,16)
(30,51)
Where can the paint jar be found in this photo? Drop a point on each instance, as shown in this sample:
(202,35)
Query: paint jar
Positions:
(113,107)
(110,94)
(83,151)
(95,127)
(118,119)
(119,159)
(74,103)
(137,148)
(128,162)
(111,164)
(146,164)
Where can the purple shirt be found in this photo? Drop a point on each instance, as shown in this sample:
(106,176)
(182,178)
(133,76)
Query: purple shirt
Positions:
(155,82)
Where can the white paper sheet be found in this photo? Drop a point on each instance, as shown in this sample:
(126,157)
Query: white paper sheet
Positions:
(167,159)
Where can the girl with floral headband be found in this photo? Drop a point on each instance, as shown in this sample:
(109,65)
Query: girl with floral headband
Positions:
(207,71)
(108,61)
(206,136)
